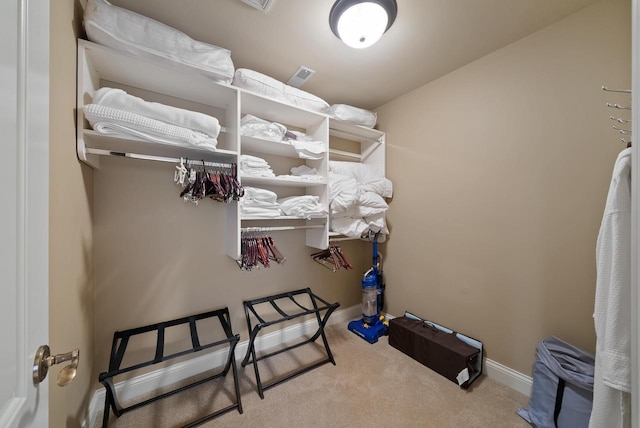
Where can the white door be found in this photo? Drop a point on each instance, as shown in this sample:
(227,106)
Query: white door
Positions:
(24,215)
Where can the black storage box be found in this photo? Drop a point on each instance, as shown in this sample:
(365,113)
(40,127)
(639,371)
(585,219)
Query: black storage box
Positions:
(453,355)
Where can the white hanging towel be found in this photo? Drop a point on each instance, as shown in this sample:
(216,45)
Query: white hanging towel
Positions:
(612,314)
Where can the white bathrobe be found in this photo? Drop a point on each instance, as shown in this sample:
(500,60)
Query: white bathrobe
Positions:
(612,314)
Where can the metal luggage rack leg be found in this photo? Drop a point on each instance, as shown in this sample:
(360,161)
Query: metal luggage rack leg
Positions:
(251,357)
(119,346)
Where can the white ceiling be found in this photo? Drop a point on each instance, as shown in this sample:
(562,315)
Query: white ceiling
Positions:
(429,39)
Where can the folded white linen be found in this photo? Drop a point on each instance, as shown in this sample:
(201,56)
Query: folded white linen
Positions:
(316,178)
(309,149)
(304,206)
(111,121)
(259,211)
(119,99)
(355,115)
(255,160)
(297,135)
(127,31)
(303,170)
(257,172)
(255,166)
(252,126)
(258,194)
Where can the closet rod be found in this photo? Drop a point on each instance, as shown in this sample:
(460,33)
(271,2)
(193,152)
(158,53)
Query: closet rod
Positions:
(280,228)
(104,152)
(626,91)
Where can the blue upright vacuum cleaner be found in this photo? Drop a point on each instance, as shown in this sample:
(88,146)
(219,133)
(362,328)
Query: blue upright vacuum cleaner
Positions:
(372,325)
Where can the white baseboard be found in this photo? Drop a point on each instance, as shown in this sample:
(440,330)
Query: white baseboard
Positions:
(149,382)
(152,381)
(509,377)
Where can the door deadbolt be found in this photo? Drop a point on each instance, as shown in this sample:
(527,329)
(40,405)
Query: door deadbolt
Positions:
(43,360)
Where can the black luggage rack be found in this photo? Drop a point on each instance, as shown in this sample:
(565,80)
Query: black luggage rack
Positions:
(119,346)
(250,308)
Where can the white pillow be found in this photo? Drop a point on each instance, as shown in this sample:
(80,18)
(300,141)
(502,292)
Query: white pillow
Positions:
(369,180)
(353,115)
(127,31)
(270,87)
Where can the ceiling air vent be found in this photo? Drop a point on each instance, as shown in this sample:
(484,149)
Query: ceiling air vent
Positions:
(300,77)
(262,5)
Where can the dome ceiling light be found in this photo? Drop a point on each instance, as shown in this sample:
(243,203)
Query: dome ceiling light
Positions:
(361,23)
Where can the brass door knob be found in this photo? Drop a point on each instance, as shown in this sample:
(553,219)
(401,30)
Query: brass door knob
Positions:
(43,360)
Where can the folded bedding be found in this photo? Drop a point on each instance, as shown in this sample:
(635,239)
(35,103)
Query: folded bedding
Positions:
(305,206)
(354,115)
(356,199)
(255,166)
(119,99)
(270,87)
(252,126)
(259,194)
(367,177)
(116,122)
(259,202)
(309,149)
(251,211)
(303,144)
(128,31)
(304,172)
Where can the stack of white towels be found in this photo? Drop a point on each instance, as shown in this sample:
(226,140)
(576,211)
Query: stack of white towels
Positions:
(114,112)
(258,202)
(255,166)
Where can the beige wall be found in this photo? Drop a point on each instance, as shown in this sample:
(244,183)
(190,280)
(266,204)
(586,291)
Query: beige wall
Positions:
(500,171)
(71,302)
(159,258)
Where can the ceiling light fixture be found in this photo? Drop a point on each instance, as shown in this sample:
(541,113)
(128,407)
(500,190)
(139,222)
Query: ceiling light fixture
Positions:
(361,23)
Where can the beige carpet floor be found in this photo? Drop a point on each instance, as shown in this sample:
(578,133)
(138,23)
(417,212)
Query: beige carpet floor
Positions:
(370,386)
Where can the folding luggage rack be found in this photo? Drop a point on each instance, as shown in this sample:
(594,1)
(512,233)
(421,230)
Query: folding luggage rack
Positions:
(119,346)
(250,308)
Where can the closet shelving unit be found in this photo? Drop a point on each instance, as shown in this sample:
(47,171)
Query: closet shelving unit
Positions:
(100,66)
(181,86)
(281,157)
(354,143)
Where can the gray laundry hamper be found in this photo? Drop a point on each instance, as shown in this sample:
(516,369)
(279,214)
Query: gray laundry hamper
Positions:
(562,394)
